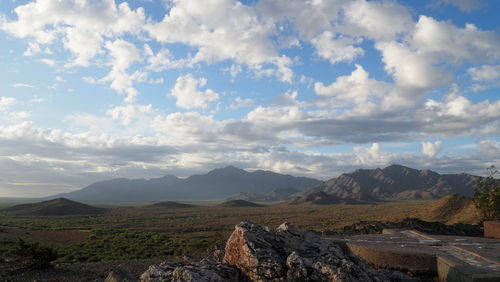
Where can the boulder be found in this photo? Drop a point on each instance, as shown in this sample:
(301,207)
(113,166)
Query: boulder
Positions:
(192,272)
(290,254)
(119,274)
(258,253)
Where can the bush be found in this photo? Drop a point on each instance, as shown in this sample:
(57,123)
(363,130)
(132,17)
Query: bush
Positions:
(487,195)
(34,255)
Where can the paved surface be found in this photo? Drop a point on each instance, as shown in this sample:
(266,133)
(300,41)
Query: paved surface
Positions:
(416,251)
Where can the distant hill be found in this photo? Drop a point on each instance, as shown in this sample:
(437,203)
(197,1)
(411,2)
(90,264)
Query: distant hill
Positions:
(451,209)
(56,207)
(319,198)
(239,204)
(397,182)
(279,194)
(216,184)
(171,205)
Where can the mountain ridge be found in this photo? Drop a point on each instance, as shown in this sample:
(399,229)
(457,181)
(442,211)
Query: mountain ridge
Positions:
(216,184)
(397,182)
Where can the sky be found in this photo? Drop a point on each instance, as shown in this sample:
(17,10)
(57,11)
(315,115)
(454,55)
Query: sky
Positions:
(99,89)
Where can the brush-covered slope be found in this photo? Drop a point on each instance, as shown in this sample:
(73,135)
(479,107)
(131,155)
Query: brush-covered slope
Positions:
(239,204)
(279,194)
(216,184)
(397,182)
(56,207)
(319,198)
(451,209)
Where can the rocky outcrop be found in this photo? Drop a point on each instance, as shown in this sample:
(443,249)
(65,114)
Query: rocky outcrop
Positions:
(258,253)
(193,272)
(290,254)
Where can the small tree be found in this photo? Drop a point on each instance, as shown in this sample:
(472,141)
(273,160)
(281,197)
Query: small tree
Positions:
(487,195)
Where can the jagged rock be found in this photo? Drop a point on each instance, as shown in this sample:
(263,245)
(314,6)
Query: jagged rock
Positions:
(257,253)
(120,275)
(290,254)
(192,272)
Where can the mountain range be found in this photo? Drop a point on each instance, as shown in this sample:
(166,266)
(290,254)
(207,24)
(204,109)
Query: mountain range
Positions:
(215,185)
(395,182)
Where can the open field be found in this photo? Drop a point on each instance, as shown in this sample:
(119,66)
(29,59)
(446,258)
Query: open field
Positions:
(140,232)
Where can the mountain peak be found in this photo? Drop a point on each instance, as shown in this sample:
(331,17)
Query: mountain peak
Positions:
(230,169)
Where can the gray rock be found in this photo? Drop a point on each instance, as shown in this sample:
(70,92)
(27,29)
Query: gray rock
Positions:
(257,253)
(120,275)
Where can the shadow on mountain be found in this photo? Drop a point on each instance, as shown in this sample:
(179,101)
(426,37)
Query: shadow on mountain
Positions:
(56,207)
(171,205)
(239,204)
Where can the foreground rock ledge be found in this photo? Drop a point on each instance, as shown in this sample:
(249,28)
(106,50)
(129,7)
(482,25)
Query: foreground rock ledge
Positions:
(257,253)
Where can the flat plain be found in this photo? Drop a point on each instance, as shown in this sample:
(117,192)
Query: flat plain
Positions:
(142,232)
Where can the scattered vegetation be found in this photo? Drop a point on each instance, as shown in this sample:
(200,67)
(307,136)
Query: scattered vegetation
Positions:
(487,195)
(33,255)
(146,233)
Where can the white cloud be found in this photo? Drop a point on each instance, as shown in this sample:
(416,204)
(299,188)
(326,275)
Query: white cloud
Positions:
(49,62)
(485,73)
(411,68)
(25,85)
(336,49)
(126,114)
(82,25)
(371,156)
(163,60)
(376,20)
(485,76)
(6,103)
(187,94)
(241,103)
(123,55)
(356,89)
(221,30)
(431,149)
(469,43)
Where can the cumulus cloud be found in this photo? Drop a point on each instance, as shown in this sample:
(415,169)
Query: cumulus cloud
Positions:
(6,103)
(485,76)
(81,24)
(356,89)
(126,114)
(287,134)
(123,55)
(431,149)
(187,94)
(376,20)
(469,43)
(336,49)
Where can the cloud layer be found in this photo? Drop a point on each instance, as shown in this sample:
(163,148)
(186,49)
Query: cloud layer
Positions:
(305,87)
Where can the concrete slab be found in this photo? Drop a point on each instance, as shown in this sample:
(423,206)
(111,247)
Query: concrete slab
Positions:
(450,258)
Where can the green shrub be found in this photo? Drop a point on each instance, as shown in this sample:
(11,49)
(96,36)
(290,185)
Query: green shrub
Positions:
(34,255)
(487,195)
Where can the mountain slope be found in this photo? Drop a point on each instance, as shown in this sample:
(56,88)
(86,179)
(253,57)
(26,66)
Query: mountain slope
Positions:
(60,206)
(397,182)
(318,198)
(171,205)
(279,194)
(239,204)
(216,184)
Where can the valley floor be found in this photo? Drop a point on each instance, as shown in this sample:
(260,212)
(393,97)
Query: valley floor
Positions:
(139,233)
